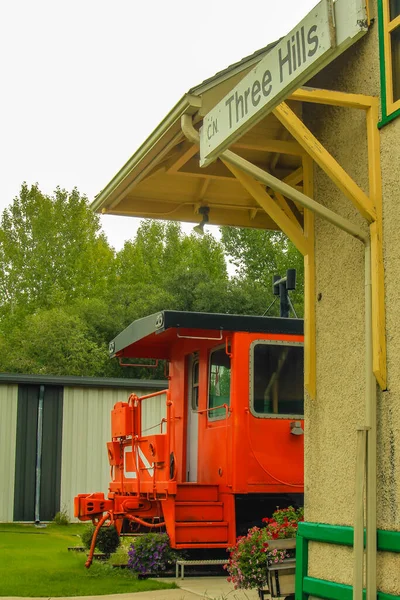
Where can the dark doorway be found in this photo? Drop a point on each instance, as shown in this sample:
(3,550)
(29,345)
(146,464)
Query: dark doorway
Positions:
(26,452)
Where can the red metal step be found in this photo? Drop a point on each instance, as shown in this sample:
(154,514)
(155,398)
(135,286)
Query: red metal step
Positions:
(202,532)
(196,492)
(199,511)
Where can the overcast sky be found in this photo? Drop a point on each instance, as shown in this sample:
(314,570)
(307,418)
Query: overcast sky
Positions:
(84,82)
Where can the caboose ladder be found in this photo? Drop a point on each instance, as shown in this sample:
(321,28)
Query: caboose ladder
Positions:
(199,518)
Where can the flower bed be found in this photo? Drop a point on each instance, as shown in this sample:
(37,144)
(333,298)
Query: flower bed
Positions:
(254,553)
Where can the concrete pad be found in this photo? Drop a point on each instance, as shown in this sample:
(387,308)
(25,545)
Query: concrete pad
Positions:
(213,588)
(190,588)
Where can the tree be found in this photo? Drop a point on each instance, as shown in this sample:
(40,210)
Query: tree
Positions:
(52,342)
(260,254)
(51,252)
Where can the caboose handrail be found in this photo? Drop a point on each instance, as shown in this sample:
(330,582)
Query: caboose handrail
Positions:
(159,393)
(225,406)
(170,432)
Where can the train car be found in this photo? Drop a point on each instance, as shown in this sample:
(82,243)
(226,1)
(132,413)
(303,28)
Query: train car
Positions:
(230,448)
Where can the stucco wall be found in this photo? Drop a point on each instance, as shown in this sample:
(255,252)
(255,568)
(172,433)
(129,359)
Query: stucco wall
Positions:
(332,419)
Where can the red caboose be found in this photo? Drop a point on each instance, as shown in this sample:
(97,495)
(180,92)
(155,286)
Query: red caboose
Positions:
(230,448)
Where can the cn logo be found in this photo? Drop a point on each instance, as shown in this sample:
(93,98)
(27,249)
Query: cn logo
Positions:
(129,462)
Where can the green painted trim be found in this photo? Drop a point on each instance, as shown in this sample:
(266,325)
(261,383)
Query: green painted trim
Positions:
(388,541)
(328,590)
(385,117)
(382,60)
(389,118)
(301,565)
(330,534)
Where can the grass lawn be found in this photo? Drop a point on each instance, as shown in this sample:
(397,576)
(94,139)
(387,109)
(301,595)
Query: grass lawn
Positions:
(36,562)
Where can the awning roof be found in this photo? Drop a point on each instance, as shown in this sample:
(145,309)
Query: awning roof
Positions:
(150,337)
(163,178)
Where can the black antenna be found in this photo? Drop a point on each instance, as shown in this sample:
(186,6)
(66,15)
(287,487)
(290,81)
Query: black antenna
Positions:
(281,287)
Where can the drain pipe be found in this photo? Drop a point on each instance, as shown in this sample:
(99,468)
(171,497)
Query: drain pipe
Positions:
(39,440)
(370,385)
(370,419)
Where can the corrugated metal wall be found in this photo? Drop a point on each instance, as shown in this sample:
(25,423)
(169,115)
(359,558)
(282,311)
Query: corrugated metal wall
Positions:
(8,425)
(86,431)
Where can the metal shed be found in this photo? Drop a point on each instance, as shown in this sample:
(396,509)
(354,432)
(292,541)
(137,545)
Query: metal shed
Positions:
(66,420)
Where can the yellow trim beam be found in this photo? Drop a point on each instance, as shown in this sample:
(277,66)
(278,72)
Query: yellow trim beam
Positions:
(332,98)
(310,367)
(325,160)
(377,267)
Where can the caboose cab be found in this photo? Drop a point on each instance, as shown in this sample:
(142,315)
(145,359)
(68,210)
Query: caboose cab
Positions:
(230,447)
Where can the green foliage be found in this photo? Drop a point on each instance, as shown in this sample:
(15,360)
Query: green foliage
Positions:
(36,563)
(107,541)
(64,293)
(151,553)
(260,254)
(51,251)
(61,518)
(52,342)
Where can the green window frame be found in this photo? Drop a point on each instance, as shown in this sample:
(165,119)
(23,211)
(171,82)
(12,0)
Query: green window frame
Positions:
(389,46)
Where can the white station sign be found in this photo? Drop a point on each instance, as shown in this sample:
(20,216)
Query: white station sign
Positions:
(283,70)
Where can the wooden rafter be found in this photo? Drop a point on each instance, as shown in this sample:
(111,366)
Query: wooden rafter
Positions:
(183,158)
(291,228)
(332,98)
(325,160)
(270,145)
(276,156)
(204,183)
(295,177)
(287,206)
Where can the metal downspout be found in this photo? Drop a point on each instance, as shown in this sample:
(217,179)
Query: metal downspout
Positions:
(370,385)
(370,419)
(39,440)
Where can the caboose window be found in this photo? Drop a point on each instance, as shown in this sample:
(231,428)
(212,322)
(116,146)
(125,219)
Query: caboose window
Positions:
(219,390)
(277,376)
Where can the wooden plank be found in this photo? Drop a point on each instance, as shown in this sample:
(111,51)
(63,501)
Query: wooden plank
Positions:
(287,209)
(332,98)
(290,228)
(377,266)
(394,24)
(310,367)
(325,160)
(270,145)
(295,177)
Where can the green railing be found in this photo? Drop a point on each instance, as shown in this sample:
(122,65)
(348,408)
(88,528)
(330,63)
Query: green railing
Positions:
(388,541)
